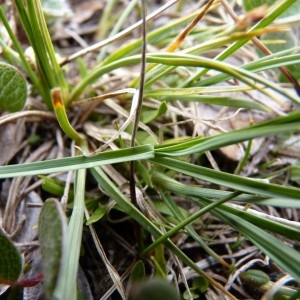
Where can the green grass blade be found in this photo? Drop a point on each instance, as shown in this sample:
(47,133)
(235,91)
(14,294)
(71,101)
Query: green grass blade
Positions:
(278,202)
(235,182)
(286,257)
(186,222)
(171,184)
(187,60)
(67,284)
(197,196)
(77,162)
(243,75)
(192,95)
(139,217)
(277,10)
(280,59)
(215,142)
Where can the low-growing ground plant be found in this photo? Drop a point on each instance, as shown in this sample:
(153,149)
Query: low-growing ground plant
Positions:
(149,149)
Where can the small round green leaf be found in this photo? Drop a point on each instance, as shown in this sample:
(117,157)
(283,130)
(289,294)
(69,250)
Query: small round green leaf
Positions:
(154,289)
(10,260)
(201,284)
(255,278)
(13,89)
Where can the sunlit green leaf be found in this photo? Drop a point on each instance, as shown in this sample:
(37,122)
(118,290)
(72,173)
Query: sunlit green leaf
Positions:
(201,284)
(97,214)
(150,115)
(77,162)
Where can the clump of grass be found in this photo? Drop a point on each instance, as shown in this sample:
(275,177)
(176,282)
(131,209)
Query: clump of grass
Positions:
(189,162)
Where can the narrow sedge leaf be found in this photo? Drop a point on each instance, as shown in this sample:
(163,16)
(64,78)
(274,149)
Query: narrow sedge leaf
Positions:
(228,138)
(77,162)
(282,59)
(171,184)
(274,13)
(187,221)
(249,78)
(188,60)
(229,180)
(10,260)
(261,222)
(187,191)
(43,47)
(35,35)
(178,214)
(13,89)
(131,210)
(286,257)
(52,238)
(266,224)
(144,171)
(200,144)
(218,42)
(212,99)
(67,284)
